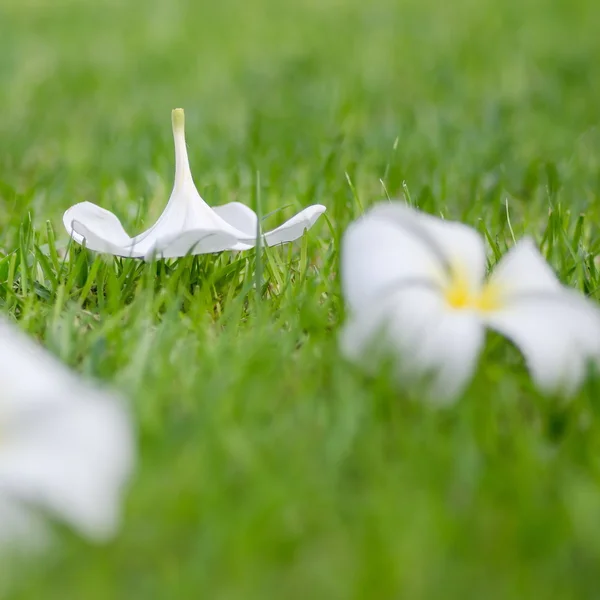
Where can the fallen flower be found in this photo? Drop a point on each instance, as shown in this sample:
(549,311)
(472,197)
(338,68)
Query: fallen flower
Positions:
(187,226)
(66,448)
(416,291)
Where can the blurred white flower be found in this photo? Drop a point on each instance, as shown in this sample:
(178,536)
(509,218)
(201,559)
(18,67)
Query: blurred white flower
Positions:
(187,225)
(415,290)
(66,448)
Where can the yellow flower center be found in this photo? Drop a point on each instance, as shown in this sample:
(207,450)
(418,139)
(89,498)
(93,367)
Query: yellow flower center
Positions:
(460,295)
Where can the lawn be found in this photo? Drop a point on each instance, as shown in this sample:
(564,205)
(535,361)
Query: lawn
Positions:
(268,466)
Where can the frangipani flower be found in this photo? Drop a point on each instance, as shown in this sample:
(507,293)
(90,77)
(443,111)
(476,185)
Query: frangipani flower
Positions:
(66,448)
(415,288)
(187,225)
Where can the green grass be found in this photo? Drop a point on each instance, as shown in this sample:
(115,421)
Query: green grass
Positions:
(269,468)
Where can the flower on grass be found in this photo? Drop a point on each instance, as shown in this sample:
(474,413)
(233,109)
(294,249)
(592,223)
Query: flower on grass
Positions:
(416,292)
(187,225)
(66,448)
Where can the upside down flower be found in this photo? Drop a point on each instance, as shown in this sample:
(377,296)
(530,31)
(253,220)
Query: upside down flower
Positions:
(416,291)
(66,448)
(187,225)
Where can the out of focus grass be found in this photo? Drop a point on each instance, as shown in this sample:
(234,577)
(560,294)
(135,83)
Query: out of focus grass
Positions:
(269,468)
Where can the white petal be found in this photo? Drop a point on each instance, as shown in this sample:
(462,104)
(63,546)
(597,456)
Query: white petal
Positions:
(187,226)
(558,334)
(72,463)
(460,245)
(65,447)
(426,340)
(192,242)
(99,243)
(238,215)
(185,212)
(100,228)
(27,372)
(377,256)
(295,227)
(523,270)
(289,231)
(394,244)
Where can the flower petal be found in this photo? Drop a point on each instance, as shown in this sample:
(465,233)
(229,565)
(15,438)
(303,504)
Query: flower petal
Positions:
(459,246)
(377,255)
(295,227)
(523,270)
(429,343)
(192,243)
(72,463)
(100,228)
(289,231)
(393,244)
(558,334)
(27,372)
(238,215)
(65,446)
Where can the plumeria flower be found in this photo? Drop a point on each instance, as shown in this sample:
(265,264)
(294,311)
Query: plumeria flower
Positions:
(66,447)
(416,292)
(187,226)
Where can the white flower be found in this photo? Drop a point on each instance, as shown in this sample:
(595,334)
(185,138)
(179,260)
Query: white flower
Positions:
(66,448)
(416,291)
(187,225)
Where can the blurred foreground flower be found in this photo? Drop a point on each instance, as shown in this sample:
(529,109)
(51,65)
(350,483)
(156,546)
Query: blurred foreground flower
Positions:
(187,226)
(66,449)
(416,291)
